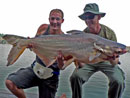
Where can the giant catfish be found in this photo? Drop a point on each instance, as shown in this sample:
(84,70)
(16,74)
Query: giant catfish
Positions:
(77,45)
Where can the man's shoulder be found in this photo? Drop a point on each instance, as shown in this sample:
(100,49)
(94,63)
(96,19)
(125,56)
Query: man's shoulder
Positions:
(106,28)
(108,33)
(42,29)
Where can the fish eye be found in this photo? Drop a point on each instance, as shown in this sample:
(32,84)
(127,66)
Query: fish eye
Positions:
(118,52)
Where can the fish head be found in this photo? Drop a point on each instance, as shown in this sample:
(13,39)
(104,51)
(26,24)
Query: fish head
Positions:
(119,49)
(111,50)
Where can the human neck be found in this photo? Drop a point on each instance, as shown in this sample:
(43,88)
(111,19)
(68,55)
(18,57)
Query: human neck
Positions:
(96,29)
(53,31)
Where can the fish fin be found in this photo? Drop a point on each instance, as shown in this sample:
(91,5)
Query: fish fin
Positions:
(12,39)
(47,60)
(95,55)
(91,58)
(75,32)
(16,51)
(51,61)
(68,62)
(14,54)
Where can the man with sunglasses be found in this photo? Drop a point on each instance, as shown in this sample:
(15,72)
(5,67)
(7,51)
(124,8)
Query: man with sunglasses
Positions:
(115,75)
(37,74)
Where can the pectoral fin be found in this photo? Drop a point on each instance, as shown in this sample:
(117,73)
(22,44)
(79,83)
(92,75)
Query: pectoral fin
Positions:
(47,58)
(48,61)
(94,55)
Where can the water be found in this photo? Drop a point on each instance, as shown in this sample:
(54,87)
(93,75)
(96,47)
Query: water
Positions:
(95,88)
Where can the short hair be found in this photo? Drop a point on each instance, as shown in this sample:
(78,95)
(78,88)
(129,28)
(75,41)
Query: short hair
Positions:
(57,10)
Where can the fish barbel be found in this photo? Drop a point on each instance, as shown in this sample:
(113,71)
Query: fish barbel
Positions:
(79,46)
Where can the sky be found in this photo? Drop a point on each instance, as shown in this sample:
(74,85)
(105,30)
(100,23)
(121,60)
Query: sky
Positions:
(23,17)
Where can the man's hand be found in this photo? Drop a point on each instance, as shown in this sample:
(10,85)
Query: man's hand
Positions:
(60,60)
(113,59)
(114,62)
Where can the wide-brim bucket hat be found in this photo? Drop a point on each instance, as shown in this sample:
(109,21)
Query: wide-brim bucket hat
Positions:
(91,8)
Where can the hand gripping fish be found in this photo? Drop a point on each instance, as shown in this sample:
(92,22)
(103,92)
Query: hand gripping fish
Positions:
(77,46)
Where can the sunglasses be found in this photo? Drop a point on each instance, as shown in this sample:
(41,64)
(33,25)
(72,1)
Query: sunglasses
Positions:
(55,18)
(89,17)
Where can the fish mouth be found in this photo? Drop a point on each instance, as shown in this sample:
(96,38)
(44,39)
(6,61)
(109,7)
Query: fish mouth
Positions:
(111,56)
(112,52)
(121,51)
(115,54)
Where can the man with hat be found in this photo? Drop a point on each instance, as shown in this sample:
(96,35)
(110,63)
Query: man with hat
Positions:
(115,75)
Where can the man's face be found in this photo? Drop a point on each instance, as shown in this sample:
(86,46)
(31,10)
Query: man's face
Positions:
(55,20)
(91,20)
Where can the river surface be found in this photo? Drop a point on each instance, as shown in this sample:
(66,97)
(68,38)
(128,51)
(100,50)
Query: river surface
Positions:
(96,87)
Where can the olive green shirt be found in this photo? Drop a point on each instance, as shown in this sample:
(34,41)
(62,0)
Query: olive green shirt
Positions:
(105,32)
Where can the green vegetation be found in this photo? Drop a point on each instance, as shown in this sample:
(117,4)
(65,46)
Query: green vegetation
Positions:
(2,41)
(1,35)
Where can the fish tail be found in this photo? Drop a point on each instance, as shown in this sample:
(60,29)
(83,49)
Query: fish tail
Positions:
(12,39)
(17,48)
